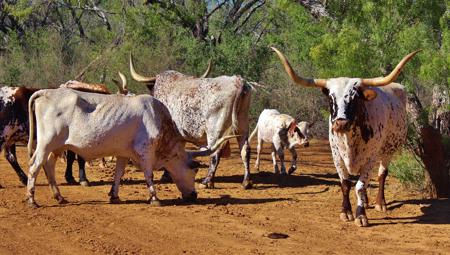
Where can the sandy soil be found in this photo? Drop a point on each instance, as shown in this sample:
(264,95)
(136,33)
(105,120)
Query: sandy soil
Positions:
(226,220)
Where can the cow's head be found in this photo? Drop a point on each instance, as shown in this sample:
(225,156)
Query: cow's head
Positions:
(304,128)
(13,112)
(295,136)
(345,94)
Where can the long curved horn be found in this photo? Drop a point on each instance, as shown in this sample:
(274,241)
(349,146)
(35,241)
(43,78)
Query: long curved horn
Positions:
(138,77)
(124,83)
(321,83)
(119,86)
(211,150)
(208,69)
(383,81)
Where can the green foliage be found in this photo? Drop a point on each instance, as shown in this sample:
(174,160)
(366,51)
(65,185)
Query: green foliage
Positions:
(363,39)
(407,170)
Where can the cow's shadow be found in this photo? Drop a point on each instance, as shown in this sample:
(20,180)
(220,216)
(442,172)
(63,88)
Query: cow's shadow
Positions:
(291,181)
(434,212)
(219,201)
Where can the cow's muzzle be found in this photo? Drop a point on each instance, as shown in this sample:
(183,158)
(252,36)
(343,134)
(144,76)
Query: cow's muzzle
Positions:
(341,125)
(191,198)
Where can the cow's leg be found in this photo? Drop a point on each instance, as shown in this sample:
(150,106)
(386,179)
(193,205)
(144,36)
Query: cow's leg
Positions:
(10,154)
(258,153)
(346,213)
(280,153)
(361,190)
(36,163)
(274,160)
(148,173)
(244,147)
(70,157)
(294,160)
(208,182)
(382,174)
(118,173)
(82,171)
(49,169)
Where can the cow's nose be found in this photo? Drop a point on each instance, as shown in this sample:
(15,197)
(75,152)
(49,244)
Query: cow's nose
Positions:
(340,125)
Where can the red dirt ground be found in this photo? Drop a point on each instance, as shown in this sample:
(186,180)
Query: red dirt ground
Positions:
(226,220)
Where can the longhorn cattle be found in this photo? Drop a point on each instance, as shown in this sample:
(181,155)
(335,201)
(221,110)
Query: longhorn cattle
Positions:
(94,125)
(93,88)
(204,109)
(14,125)
(366,126)
(282,132)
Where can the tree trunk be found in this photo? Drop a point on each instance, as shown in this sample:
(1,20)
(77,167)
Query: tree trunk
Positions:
(429,147)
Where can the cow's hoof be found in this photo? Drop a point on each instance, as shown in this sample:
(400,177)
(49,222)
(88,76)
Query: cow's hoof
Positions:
(381,208)
(115,200)
(71,181)
(247,184)
(207,185)
(85,183)
(191,198)
(33,204)
(361,221)
(61,200)
(346,216)
(154,202)
(292,170)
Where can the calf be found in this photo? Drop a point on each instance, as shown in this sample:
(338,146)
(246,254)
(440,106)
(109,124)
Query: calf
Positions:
(282,132)
(366,126)
(139,128)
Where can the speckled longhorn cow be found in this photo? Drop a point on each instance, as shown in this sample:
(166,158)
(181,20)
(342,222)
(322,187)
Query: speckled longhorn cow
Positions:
(204,109)
(139,128)
(14,124)
(366,126)
(282,132)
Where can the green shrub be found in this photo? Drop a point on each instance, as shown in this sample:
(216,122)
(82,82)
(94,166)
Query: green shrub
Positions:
(407,170)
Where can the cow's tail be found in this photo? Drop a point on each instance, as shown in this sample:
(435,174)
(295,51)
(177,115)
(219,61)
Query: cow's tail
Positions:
(32,121)
(237,99)
(253,133)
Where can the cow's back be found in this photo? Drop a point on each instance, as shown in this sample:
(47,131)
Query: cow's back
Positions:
(395,130)
(109,123)
(271,122)
(196,103)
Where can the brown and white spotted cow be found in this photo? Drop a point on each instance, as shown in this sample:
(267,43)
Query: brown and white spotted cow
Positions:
(366,126)
(14,123)
(92,125)
(282,132)
(205,109)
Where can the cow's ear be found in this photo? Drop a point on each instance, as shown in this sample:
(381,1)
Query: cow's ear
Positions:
(292,127)
(325,91)
(299,133)
(369,94)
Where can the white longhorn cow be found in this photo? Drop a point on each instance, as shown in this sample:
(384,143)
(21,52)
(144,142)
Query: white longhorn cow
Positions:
(95,125)
(205,109)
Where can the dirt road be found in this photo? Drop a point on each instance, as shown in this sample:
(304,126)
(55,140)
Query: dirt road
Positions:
(226,220)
